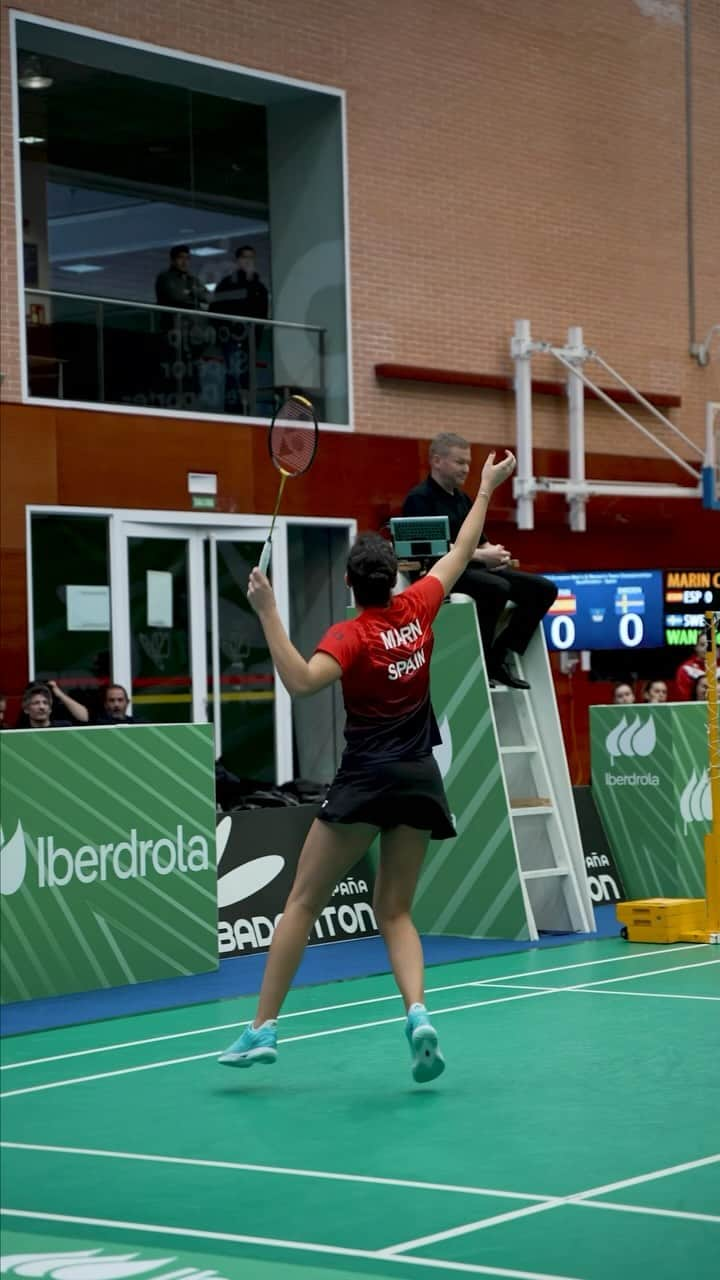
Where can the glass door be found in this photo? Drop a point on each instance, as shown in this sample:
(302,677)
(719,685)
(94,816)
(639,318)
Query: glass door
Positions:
(249,709)
(165,612)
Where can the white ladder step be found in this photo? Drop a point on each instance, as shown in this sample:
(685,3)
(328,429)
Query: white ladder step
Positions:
(520,810)
(516,751)
(541,872)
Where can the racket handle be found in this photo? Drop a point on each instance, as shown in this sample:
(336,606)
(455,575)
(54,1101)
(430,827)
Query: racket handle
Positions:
(265,557)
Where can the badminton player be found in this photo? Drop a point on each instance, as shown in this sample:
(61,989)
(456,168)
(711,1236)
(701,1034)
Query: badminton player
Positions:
(388,780)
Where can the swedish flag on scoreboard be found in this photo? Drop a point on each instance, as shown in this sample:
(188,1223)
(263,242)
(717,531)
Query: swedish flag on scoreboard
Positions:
(629,600)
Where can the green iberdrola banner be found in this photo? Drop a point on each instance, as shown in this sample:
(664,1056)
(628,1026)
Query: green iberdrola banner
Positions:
(651,785)
(107,857)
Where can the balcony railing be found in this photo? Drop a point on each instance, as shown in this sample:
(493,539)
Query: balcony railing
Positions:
(109,351)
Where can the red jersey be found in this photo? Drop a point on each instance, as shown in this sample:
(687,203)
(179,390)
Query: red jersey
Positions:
(385,658)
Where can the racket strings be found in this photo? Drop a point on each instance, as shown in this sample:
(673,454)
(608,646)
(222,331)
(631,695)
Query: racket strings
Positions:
(293,437)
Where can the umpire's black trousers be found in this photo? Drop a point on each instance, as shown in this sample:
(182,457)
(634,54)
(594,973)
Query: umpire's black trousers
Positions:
(492,589)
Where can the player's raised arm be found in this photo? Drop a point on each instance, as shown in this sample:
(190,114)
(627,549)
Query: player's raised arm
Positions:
(451,566)
(299,676)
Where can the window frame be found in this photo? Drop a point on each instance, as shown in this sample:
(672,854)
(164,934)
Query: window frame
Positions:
(16,18)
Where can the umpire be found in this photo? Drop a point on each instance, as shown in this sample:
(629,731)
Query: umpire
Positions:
(488,579)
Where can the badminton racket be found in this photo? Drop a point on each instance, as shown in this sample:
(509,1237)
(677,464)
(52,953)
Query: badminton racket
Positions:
(292,442)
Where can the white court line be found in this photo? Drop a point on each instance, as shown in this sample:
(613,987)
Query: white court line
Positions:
(525,993)
(331,1008)
(330,1176)
(467,1268)
(512,1215)
(308,1035)
(236,1166)
(646,995)
(637,1208)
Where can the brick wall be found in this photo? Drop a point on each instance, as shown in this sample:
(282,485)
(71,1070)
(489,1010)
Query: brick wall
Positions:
(506,158)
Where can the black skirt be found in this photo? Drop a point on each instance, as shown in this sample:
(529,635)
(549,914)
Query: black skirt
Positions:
(400,793)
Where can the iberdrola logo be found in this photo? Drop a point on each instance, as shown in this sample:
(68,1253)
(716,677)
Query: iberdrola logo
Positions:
(633,739)
(13,861)
(90,1264)
(696,800)
(56,866)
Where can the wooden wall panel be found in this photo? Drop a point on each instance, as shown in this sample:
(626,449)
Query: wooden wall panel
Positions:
(28,467)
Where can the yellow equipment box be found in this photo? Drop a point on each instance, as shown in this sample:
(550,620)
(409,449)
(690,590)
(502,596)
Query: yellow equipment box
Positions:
(663,919)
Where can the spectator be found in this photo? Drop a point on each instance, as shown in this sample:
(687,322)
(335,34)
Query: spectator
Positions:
(37,708)
(655,691)
(488,578)
(115,705)
(623,694)
(699,691)
(177,287)
(240,294)
(691,669)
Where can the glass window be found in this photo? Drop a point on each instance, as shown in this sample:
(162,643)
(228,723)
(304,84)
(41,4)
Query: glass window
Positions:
(125,155)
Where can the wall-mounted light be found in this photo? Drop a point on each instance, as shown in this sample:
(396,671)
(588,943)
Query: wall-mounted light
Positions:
(32,75)
(82,268)
(32,140)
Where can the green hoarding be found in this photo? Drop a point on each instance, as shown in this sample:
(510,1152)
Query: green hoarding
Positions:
(651,785)
(469,886)
(107,855)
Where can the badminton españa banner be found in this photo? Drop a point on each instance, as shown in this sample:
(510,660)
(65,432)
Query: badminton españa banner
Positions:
(651,785)
(107,855)
(469,886)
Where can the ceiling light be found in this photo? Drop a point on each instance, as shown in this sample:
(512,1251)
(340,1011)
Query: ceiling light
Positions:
(206,251)
(82,268)
(32,75)
(31,140)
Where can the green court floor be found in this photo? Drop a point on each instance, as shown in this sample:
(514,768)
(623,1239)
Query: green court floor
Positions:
(575,1133)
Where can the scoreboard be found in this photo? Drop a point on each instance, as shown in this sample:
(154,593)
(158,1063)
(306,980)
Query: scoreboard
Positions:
(631,609)
(688,594)
(606,610)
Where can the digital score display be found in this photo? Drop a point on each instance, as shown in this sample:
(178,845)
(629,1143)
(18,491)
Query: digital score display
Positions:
(621,610)
(688,595)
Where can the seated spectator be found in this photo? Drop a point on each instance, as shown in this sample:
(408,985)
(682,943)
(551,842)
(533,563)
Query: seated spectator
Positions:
(37,703)
(655,691)
(488,580)
(623,694)
(691,669)
(699,691)
(115,705)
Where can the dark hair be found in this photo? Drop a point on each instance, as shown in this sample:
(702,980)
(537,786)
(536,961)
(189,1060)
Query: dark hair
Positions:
(121,687)
(177,249)
(37,686)
(245,248)
(372,570)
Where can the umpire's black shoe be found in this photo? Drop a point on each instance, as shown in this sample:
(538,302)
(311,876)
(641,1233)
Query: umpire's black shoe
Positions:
(502,674)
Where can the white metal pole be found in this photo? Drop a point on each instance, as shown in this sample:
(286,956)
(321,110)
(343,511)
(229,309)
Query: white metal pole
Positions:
(522,355)
(576,428)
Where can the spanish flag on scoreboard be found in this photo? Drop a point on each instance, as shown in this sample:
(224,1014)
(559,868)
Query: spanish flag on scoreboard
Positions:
(565,602)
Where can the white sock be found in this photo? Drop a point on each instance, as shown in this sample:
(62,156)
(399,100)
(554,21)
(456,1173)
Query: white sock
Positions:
(417,1008)
(269,1022)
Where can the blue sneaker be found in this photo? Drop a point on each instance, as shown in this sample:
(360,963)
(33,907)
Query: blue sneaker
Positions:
(256,1044)
(428,1062)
